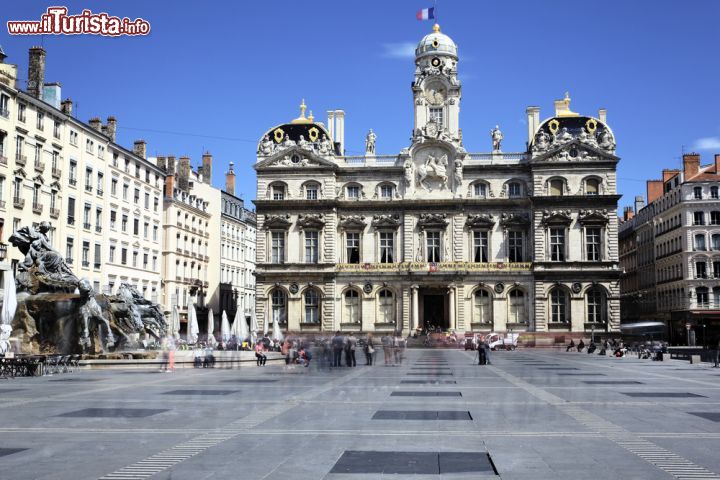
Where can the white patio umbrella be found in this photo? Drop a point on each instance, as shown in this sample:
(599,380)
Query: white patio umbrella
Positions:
(276,332)
(211,327)
(9,299)
(193,328)
(224,327)
(253,327)
(175,323)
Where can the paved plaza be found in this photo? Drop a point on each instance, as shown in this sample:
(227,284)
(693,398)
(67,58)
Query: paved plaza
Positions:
(531,414)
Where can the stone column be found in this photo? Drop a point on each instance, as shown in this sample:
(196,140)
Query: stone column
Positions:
(415,309)
(451,309)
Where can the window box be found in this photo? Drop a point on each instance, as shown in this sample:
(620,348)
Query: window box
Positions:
(40,167)
(37,208)
(19,202)
(55,213)
(73,182)
(56,173)
(21,160)
(3,160)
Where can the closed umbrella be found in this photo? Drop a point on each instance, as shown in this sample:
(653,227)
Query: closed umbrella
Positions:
(253,327)
(211,327)
(224,328)
(175,322)
(9,300)
(193,327)
(276,333)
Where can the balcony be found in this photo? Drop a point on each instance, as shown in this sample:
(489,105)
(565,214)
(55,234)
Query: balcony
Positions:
(98,228)
(71,220)
(72,181)
(19,202)
(88,188)
(3,160)
(40,167)
(21,159)
(56,172)
(37,208)
(85,264)
(55,213)
(100,192)
(86,226)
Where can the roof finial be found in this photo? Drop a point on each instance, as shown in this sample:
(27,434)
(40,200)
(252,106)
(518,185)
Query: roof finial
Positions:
(302,108)
(562,107)
(310,117)
(436,28)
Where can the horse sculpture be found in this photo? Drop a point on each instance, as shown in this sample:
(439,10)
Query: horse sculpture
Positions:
(90,311)
(434,168)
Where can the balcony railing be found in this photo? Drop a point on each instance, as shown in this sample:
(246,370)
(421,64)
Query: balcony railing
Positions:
(85,263)
(21,159)
(3,160)
(56,173)
(88,188)
(100,192)
(37,208)
(40,167)
(98,228)
(18,202)
(86,226)
(55,213)
(4,112)
(71,220)
(72,181)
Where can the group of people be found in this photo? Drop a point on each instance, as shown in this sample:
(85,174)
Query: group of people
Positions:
(617,347)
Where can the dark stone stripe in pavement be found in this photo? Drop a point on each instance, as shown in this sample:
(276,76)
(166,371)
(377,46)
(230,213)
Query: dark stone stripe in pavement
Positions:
(435,382)
(413,463)
(10,451)
(426,394)
(421,415)
(114,412)
(663,394)
(200,392)
(713,416)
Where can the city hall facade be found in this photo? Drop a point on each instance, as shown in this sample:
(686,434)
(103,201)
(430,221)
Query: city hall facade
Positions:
(436,235)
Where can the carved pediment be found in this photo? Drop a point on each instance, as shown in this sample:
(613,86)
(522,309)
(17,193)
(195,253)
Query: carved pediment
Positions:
(39,179)
(277,222)
(352,222)
(311,222)
(481,220)
(20,172)
(514,219)
(56,186)
(558,217)
(386,221)
(294,157)
(597,217)
(574,150)
(432,220)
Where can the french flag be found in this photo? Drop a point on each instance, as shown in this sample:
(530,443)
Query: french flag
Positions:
(426,14)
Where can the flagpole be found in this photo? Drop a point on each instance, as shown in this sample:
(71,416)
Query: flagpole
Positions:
(435,10)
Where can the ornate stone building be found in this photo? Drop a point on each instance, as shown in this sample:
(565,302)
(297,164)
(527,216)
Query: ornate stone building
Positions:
(436,235)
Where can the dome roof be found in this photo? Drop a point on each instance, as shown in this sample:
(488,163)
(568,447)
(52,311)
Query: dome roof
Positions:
(436,43)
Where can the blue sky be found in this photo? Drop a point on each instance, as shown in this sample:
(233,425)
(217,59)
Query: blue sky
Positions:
(215,75)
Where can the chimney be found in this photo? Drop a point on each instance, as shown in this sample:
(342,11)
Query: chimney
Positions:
(161,162)
(628,214)
(66,107)
(654,190)
(602,115)
(140,148)
(95,124)
(331,124)
(669,173)
(52,93)
(170,177)
(36,72)
(111,128)
(183,174)
(340,132)
(533,121)
(230,180)
(717,164)
(639,203)
(691,165)
(207,167)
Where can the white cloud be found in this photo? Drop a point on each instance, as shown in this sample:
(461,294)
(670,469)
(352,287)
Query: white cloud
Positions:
(708,143)
(399,50)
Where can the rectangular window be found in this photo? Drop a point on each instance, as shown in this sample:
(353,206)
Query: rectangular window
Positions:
(100,186)
(71,211)
(387,247)
(480,247)
(311,192)
(88,179)
(557,244)
(437,115)
(386,192)
(123,224)
(98,219)
(432,242)
(353,192)
(698,218)
(73,173)
(714,192)
(4,102)
(155,233)
(123,256)
(156,204)
(73,137)
(135,259)
(145,260)
(278,247)
(136,196)
(56,129)
(154,265)
(98,257)
(136,226)
(592,244)
(126,187)
(514,190)
(40,121)
(697,193)
(278,192)
(21,112)
(113,187)
(113,219)
(146,229)
(515,246)
(86,254)
(352,240)
(700,270)
(311,247)
(700,242)
(716,269)
(111,257)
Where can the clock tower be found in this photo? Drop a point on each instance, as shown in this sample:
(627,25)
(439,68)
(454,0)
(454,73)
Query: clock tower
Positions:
(436,89)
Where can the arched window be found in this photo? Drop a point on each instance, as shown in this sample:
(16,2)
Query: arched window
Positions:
(480,190)
(514,190)
(595,305)
(386,306)
(353,191)
(592,186)
(278,191)
(312,306)
(701,294)
(312,191)
(386,191)
(482,307)
(700,242)
(714,217)
(556,187)
(279,306)
(716,241)
(558,306)
(352,306)
(517,312)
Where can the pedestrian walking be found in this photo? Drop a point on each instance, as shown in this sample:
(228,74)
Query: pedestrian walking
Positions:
(386,341)
(486,347)
(369,350)
(338,342)
(350,346)
(571,345)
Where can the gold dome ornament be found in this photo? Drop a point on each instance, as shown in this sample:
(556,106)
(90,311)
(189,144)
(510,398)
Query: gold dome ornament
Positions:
(436,28)
(553,126)
(301,118)
(591,125)
(313,133)
(278,135)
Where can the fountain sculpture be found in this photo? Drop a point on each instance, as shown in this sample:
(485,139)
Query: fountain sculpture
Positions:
(59,313)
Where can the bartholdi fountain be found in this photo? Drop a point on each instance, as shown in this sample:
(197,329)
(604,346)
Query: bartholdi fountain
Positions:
(59,313)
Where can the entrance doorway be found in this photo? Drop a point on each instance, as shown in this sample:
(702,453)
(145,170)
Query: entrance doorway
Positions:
(433,310)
